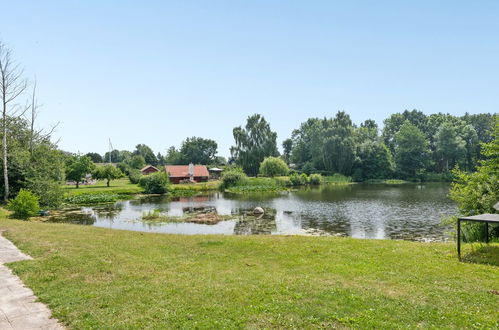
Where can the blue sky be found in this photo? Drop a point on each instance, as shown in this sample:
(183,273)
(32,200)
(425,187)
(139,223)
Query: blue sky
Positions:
(155,72)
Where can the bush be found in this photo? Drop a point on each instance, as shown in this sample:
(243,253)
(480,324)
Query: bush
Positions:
(156,183)
(283,181)
(50,193)
(233,177)
(315,179)
(273,166)
(134,176)
(298,179)
(25,205)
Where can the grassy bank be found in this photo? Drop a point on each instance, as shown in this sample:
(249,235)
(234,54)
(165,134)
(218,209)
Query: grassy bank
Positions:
(191,189)
(100,278)
(118,187)
(100,193)
(282,183)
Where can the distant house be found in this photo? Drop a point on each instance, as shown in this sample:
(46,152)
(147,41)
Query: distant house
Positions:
(215,172)
(148,169)
(187,173)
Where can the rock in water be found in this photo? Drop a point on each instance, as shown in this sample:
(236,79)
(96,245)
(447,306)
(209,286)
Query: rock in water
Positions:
(258,210)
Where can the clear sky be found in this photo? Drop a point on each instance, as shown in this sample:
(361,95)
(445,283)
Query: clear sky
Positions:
(155,72)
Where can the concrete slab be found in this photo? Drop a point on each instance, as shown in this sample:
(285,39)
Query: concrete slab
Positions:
(19,308)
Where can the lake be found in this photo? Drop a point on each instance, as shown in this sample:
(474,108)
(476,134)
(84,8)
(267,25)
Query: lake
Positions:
(379,211)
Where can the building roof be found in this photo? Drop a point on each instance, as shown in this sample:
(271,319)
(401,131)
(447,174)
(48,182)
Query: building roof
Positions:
(182,171)
(215,169)
(149,166)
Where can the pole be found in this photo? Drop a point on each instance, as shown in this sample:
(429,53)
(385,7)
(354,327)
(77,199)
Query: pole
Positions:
(459,238)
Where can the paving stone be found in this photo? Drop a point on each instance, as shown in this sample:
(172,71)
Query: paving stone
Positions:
(18,306)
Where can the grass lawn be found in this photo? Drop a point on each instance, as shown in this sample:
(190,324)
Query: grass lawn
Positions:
(120,187)
(100,278)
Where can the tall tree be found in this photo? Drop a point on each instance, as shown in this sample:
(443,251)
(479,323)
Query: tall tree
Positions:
(411,151)
(254,142)
(95,157)
(12,85)
(107,172)
(78,167)
(339,145)
(146,152)
(287,147)
(197,150)
(450,147)
(173,156)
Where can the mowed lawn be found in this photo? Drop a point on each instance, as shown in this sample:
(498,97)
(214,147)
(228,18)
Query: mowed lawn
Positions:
(100,278)
(120,186)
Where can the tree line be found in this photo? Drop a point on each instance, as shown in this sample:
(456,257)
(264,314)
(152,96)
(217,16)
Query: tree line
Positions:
(410,146)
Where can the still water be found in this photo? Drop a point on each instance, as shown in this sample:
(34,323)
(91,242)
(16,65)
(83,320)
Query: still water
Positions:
(381,211)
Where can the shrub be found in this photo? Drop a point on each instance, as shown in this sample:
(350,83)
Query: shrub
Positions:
(298,179)
(283,181)
(50,193)
(134,176)
(233,177)
(156,183)
(273,166)
(315,179)
(25,205)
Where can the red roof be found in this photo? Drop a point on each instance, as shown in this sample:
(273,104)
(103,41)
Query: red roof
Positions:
(148,167)
(182,171)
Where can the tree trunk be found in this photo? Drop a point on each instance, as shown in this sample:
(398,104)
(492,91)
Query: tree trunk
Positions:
(77,184)
(4,154)
(108,182)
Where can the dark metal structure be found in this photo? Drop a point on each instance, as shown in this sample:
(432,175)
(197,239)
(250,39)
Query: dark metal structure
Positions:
(485,218)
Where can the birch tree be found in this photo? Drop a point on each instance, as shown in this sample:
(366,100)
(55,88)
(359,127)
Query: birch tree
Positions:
(12,85)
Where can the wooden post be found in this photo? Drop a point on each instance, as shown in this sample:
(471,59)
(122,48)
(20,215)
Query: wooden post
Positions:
(487,232)
(459,238)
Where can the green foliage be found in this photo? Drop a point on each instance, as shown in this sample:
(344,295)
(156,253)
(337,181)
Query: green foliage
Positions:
(273,166)
(233,177)
(134,176)
(146,153)
(77,167)
(136,162)
(315,179)
(90,199)
(49,193)
(477,192)
(336,179)
(25,205)
(95,157)
(374,161)
(287,146)
(298,179)
(45,174)
(253,143)
(411,151)
(338,150)
(108,173)
(197,150)
(156,183)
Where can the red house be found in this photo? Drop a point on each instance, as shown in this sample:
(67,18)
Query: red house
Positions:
(187,173)
(148,169)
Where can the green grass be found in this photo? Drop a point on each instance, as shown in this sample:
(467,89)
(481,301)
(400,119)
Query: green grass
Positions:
(191,189)
(337,179)
(100,278)
(119,187)
(259,184)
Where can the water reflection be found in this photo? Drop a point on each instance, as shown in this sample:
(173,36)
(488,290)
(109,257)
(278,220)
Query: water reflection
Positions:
(408,211)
